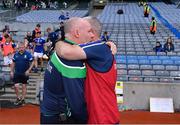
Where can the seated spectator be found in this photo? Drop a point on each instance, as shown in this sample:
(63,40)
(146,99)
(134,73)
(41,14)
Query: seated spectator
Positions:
(67,16)
(62,17)
(158,47)
(169,46)
(29,42)
(105,36)
(52,38)
(6,27)
(61,31)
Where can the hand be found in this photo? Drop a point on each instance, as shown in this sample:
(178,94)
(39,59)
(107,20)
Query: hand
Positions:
(27,73)
(112,47)
(12,74)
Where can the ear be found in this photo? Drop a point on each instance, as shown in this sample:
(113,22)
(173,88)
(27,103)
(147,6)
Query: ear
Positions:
(76,33)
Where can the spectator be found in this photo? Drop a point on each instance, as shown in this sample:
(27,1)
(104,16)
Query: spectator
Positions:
(52,37)
(29,39)
(169,46)
(158,47)
(153,26)
(4,4)
(8,50)
(61,30)
(62,16)
(37,29)
(6,27)
(2,38)
(67,16)
(20,69)
(105,36)
(38,50)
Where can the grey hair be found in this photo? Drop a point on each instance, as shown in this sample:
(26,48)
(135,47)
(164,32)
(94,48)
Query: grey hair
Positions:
(95,24)
(71,23)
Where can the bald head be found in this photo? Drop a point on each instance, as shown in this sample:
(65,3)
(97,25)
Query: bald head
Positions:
(72,24)
(78,30)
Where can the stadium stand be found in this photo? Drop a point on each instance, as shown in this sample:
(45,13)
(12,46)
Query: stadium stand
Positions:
(130,31)
(48,16)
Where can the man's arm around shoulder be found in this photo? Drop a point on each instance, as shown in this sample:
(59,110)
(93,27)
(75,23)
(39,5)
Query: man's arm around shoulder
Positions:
(69,52)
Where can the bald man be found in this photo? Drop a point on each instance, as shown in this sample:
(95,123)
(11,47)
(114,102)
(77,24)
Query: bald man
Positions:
(63,97)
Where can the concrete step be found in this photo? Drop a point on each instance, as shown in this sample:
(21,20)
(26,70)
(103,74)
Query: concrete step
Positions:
(30,90)
(13,96)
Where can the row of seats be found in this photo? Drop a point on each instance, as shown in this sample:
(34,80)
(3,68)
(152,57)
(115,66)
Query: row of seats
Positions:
(148,67)
(49,16)
(153,60)
(170,12)
(144,79)
(157,73)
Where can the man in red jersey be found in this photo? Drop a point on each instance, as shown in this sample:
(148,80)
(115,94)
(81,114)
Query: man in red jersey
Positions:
(100,78)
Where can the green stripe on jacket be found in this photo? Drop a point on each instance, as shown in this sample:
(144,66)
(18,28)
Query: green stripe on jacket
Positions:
(68,71)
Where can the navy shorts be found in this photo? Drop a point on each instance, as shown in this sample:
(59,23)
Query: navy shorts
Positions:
(20,78)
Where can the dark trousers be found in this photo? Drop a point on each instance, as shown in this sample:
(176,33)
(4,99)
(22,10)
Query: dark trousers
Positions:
(55,119)
(146,15)
(152,32)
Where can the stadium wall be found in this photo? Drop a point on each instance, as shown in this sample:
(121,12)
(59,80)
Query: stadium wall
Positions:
(137,95)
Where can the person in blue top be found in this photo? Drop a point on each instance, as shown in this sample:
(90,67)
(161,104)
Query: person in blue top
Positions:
(63,96)
(20,69)
(158,47)
(105,37)
(52,37)
(38,50)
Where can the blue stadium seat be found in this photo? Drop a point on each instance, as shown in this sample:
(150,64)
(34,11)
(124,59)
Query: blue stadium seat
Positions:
(168,62)
(177,62)
(164,57)
(135,79)
(133,66)
(122,72)
(153,57)
(151,79)
(148,73)
(145,67)
(121,61)
(131,57)
(162,73)
(158,67)
(142,57)
(156,62)
(172,68)
(131,61)
(134,72)
(168,80)
(144,62)
(121,66)
(175,73)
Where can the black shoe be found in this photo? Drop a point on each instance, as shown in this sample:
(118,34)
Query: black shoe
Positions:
(22,102)
(17,102)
